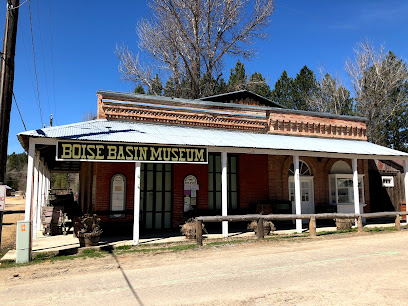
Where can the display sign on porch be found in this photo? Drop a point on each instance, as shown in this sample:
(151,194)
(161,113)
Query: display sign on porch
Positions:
(190,192)
(2,197)
(118,194)
(87,151)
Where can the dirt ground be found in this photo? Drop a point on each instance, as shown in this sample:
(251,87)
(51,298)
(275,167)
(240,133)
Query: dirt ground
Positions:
(8,237)
(336,270)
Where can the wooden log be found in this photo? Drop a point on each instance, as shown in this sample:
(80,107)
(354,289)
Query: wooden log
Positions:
(382,214)
(199,232)
(360,228)
(397,222)
(312,227)
(260,228)
(271,217)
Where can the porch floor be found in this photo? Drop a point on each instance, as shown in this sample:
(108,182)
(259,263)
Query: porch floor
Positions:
(68,244)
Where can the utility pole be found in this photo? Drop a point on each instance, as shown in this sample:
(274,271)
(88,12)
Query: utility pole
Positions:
(7,81)
(6,87)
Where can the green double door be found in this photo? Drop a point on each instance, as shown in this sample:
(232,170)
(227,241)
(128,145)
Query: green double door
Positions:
(155,196)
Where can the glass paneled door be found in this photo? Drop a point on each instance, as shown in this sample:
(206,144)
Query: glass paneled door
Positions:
(155,196)
(306,194)
(306,188)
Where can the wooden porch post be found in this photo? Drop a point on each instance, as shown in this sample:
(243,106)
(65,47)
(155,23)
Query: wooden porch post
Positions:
(46,185)
(260,228)
(41,203)
(406,184)
(29,187)
(224,192)
(312,227)
(355,187)
(36,191)
(297,193)
(136,205)
(199,232)
(48,182)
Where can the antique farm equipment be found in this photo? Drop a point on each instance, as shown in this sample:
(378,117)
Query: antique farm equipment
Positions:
(58,215)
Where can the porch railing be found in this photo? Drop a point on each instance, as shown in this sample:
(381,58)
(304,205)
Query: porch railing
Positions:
(311,217)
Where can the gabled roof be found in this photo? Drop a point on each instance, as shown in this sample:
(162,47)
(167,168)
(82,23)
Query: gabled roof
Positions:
(147,133)
(242,95)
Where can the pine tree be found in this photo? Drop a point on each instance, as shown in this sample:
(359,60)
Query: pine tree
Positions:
(139,90)
(379,80)
(257,84)
(170,88)
(156,87)
(282,93)
(237,79)
(304,87)
(221,87)
(395,130)
(16,169)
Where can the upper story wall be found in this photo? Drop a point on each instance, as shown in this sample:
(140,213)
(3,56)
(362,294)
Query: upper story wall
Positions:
(237,116)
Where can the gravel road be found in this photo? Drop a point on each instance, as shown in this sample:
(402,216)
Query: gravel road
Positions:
(367,269)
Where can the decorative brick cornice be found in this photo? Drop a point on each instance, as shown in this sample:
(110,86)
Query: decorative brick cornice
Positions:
(231,116)
(315,126)
(115,112)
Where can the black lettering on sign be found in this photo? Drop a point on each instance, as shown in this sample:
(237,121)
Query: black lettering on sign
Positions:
(87,151)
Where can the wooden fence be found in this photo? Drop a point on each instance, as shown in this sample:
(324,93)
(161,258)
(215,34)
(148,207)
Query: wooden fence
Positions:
(311,217)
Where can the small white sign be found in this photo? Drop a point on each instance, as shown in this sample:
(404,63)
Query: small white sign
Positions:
(2,197)
(387,181)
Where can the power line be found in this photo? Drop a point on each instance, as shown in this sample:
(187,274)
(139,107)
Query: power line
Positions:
(29,73)
(42,54)
(21,117)
(35,66)
(52,60)
(13,8)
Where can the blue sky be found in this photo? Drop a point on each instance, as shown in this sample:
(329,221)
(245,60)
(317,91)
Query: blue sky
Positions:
(74,43)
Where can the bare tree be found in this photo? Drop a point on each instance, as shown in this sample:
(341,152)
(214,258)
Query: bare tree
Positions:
(88,116)
(377,77)
(190,38)
(331,96)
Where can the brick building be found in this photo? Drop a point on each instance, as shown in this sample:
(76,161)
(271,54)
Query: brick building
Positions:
(154,161)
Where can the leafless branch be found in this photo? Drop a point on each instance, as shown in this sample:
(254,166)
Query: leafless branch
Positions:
(190,38)
(376,77)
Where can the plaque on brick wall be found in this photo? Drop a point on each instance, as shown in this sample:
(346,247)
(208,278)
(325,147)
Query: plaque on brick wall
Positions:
(118,195)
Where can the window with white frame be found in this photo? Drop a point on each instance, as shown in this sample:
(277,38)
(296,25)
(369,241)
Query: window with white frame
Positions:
(341,188)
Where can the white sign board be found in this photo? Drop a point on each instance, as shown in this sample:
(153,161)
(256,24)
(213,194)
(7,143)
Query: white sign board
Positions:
(118,193)
(387,181)
(2,197)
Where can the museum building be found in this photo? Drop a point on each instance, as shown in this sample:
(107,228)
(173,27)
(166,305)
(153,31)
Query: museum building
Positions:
(154,161)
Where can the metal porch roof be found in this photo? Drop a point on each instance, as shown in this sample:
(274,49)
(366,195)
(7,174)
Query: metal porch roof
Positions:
(148,133)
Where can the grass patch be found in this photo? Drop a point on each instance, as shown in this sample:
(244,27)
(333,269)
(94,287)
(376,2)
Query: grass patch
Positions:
(351,230)
(175,248)
(43,256)
(215,243)
(124,247)
(380,229)
(91,253)
(7,264)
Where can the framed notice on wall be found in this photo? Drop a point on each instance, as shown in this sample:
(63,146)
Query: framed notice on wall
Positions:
(118,195)
(2,198)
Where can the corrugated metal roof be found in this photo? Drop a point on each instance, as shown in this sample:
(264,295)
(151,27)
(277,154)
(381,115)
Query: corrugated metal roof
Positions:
(137,132)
